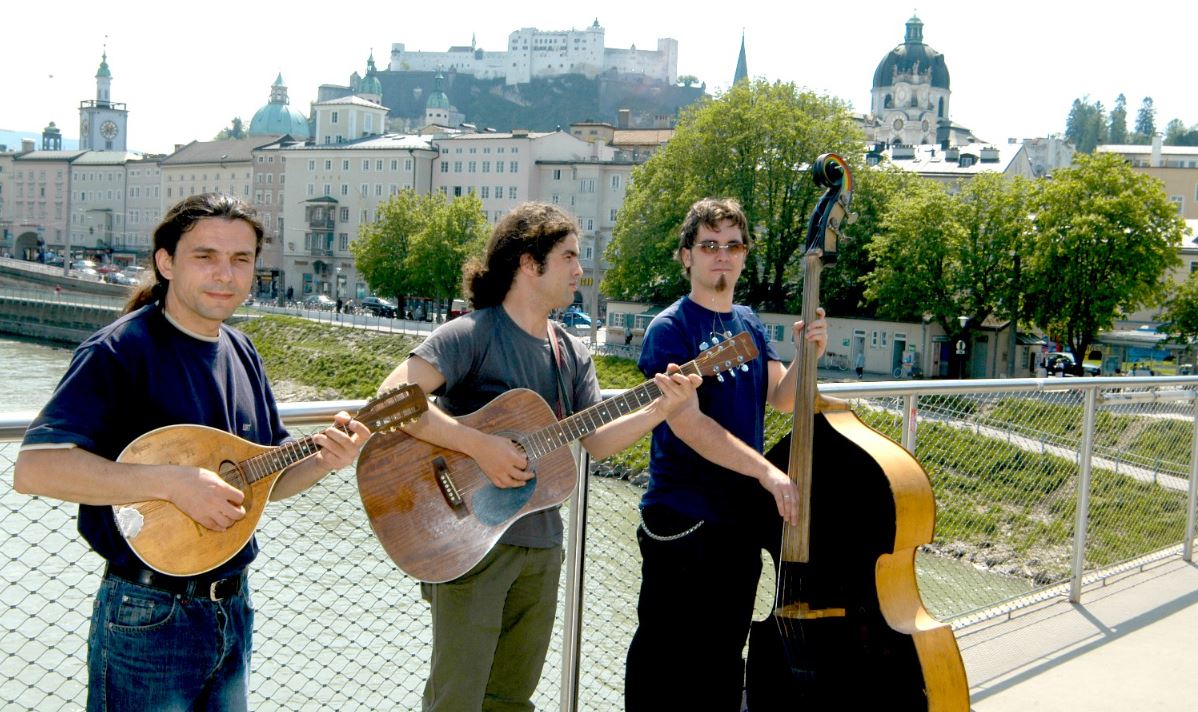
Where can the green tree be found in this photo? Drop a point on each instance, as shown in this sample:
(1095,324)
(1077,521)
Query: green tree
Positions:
(1086,125)
(418,245)
(236,129)
(456,230)
(752,143)
(843,282)
(382,247)
(1117,133)
(1180,315)
(688,80)
(1145,121)
(1104,236)
(943,255)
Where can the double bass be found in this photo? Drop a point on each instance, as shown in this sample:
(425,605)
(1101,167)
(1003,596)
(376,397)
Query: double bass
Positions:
(848,629)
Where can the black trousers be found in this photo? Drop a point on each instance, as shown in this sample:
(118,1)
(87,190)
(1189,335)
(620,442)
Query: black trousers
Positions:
(695,607)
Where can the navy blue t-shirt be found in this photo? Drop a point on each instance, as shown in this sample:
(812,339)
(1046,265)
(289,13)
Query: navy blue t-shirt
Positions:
(678,476)
(140,373)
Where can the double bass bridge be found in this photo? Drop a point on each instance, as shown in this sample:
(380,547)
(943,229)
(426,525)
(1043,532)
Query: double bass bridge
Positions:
(802,611)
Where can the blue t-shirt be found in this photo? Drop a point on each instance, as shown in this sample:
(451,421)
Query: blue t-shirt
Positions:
(678,476)
(140,373)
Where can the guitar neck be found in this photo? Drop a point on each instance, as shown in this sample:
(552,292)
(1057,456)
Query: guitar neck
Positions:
(585,422)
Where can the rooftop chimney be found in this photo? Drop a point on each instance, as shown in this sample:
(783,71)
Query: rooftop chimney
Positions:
(1156,151)
(622,118)
(27,145)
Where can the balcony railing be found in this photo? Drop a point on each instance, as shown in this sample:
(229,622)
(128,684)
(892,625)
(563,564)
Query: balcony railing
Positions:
(1042,486)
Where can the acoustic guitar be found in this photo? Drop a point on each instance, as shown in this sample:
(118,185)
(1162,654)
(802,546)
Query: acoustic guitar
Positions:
(169,541)
(435,511)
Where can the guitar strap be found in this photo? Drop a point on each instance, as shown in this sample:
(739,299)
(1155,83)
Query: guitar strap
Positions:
(564,407)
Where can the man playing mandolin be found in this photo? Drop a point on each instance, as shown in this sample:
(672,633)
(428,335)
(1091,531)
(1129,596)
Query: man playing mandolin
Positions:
(159,641)
(713,499)
(492,625)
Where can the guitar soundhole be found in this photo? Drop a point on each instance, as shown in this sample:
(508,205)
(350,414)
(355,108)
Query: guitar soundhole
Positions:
(234,475)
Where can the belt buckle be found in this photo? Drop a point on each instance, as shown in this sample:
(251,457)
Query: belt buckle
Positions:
(212,590)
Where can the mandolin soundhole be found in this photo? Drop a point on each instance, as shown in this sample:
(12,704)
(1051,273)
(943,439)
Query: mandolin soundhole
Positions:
(234,475)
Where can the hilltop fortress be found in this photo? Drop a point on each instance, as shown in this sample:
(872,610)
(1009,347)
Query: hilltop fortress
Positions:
(533,54)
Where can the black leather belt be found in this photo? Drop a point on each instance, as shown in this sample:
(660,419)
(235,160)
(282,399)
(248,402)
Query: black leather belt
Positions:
(213,589)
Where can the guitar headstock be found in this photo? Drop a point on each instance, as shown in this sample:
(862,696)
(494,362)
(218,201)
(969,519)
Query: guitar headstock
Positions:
(734,353)
(393,408)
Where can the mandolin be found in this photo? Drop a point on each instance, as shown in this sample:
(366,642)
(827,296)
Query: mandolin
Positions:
(169,541)
(849,629)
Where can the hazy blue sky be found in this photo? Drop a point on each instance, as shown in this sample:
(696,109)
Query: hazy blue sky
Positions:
(185,69)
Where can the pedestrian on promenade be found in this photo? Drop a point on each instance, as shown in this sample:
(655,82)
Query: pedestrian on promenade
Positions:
(162,642)
(859,365)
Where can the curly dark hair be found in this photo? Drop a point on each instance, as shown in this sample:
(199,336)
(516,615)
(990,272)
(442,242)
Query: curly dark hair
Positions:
(178,220)
(530,228)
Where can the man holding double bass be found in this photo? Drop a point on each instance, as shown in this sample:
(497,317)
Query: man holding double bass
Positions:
(713,501)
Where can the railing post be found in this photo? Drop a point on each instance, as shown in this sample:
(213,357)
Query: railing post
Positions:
(1187,547)
(1085,454)
(576,553)
(910,421)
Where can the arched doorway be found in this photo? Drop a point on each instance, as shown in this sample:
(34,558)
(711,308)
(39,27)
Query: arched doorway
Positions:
(26,246)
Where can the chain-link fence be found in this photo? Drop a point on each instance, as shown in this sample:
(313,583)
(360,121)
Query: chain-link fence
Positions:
(339,627)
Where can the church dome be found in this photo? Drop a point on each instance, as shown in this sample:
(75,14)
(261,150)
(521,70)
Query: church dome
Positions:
(278,117)
(913,57)
(437,99)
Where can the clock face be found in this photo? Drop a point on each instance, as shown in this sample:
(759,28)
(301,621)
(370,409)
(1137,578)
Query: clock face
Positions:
(902,93)
(108,130)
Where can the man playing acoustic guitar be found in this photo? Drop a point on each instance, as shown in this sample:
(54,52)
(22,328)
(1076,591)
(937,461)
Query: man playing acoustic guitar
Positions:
(157,641)
(491,626)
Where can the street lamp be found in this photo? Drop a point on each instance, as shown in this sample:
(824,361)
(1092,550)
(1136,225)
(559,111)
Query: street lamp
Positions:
(961,348)
(1014,309)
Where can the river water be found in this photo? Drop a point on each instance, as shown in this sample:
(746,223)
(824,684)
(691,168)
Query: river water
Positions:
(29,370)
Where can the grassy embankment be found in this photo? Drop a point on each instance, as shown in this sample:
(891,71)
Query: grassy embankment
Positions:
(988,490)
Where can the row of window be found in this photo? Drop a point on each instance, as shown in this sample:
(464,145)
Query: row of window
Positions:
(474,149)
(203,176)
(378,164)
(364,189)
(472,166)
(484,192)
(134,191)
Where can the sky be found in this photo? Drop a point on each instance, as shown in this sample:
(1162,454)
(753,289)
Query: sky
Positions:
(184,71)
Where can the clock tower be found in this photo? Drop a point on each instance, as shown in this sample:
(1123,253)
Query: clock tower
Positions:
(102,122)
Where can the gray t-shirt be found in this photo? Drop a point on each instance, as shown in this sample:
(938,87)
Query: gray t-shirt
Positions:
(484,354)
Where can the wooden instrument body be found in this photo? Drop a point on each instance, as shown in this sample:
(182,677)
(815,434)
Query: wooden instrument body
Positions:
(420,530)
(168,540)
(862,638)
(172,542)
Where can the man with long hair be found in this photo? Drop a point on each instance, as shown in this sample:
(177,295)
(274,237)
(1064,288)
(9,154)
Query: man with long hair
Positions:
(491,626)
(158,641)
(713,501)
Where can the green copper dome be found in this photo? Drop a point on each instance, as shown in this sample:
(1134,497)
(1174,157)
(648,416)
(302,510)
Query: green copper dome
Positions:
(103,71)
(278,117)
(437,98)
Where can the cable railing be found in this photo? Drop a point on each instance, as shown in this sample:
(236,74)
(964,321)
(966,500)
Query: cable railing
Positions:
(1043,487)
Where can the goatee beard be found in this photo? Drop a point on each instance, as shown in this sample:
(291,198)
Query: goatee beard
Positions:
(721,283)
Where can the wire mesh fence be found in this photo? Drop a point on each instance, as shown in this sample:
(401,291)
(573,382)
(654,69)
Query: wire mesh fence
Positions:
(338,626)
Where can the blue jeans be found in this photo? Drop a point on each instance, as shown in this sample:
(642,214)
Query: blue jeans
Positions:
(154,650)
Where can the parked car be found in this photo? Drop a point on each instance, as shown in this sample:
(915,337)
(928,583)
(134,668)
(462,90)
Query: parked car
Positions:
(319,301)
(1062,363)
(576,320)
(84,264)
(379,306)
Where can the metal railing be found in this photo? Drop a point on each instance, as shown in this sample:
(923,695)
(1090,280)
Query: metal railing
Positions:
(1042,486)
